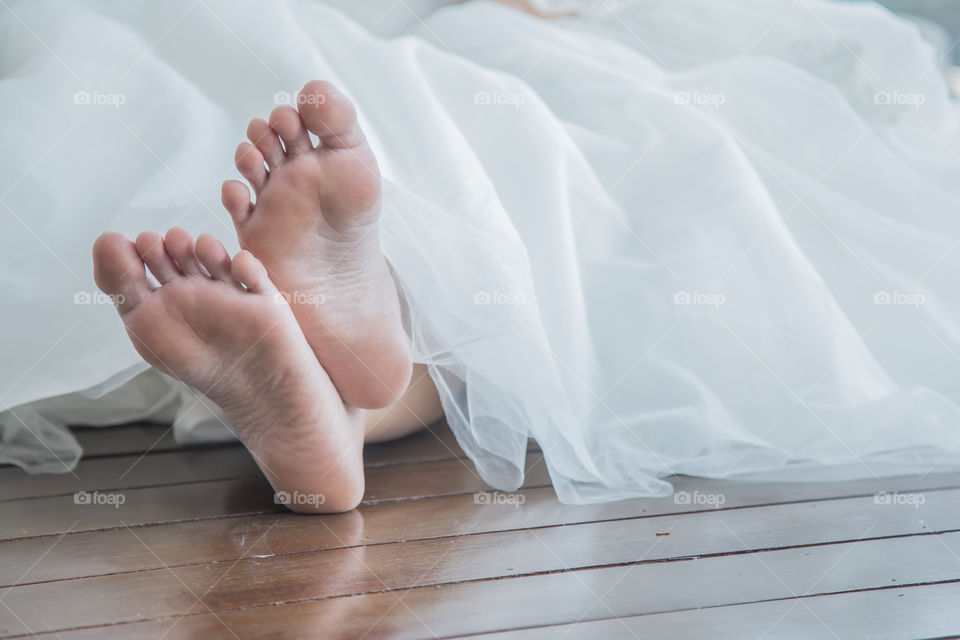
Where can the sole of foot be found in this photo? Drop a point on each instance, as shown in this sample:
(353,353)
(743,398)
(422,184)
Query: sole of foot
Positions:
(220,325)
(315,227)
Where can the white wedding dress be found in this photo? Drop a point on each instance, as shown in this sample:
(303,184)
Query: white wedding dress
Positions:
(659,237)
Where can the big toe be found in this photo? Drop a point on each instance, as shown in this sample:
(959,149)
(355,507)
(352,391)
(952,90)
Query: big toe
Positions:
(118,270)
(329,114)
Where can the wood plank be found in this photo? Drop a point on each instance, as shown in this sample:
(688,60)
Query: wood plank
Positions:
(357,569)
(219,498)
(125,439)
(226,539)
(437,442)
(196,464)
(444,477)
(433,443)
(116,473)
(889,614)
(219,539)
(175,503)
(596,594)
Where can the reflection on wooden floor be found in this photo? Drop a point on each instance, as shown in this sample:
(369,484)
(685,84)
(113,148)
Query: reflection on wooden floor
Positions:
(199,549)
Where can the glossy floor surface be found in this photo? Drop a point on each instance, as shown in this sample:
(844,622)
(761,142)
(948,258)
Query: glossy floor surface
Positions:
(165,542)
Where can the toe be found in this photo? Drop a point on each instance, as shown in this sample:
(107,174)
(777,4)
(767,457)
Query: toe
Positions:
(286,121)
(266,140)
(154,254)
(249,162)
(251,272)
(180,247)
(214,257)
(236,199)
(330,115)
(118,270)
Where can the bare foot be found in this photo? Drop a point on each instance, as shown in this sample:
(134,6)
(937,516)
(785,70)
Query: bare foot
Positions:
(242,347)
(315,226)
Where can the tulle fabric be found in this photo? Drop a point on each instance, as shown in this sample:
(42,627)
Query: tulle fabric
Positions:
(659,237)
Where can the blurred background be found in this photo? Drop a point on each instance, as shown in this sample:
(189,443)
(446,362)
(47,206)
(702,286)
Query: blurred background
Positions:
(941,16)
(939,19)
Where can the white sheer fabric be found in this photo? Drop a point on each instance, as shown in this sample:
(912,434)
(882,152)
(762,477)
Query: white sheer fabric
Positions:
(666,237)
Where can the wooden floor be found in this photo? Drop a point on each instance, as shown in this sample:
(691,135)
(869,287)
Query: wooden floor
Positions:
(199,549)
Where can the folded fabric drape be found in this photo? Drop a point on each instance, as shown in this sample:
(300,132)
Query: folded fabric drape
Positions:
(660,237)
